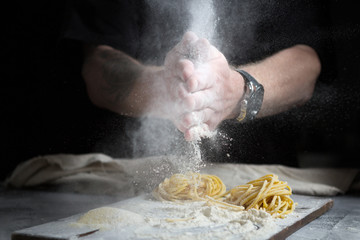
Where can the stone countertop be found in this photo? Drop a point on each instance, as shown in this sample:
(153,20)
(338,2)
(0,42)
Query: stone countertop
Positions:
(25,208)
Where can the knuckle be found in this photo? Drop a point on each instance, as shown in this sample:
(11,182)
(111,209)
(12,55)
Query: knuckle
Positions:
(189,103)
(192,84)
(187,120)
(181,92)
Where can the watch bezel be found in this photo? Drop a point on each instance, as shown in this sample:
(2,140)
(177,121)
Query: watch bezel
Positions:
(251,104)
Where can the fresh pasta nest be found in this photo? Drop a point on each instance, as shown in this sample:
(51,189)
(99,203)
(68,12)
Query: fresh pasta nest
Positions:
(190,186)
(267,193)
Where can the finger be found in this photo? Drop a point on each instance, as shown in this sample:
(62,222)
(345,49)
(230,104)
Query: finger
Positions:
(185,69)
(203,116)
(189,37)
(187,120)
(180,127)
(213,122)
(182,93)
(200,100)
(191,119)
(201,50)
(197,51)
(194,48)
(188,135)
(180,49)
(197,132)
(202,79)
(209,117)
(186,43)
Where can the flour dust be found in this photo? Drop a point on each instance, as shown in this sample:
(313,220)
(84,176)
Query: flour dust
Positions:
(168,220)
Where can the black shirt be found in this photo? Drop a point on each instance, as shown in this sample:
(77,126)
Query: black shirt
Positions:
(47,111)
(244,31)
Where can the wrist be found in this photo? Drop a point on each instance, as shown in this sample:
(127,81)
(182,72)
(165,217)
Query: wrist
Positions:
(151,90)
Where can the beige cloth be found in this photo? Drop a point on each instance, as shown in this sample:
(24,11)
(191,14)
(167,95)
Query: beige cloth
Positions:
(307,181)
(101,174)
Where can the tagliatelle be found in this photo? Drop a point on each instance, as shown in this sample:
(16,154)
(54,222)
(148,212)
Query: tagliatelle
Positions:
(190,186)
(267,193)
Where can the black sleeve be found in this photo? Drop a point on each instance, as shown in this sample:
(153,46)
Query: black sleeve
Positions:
(290,23)
(110,22)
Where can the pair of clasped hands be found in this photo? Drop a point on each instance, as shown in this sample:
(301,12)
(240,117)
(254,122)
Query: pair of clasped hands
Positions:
(201,87)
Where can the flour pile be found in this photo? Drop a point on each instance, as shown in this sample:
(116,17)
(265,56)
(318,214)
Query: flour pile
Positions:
(189,220)
(108,218)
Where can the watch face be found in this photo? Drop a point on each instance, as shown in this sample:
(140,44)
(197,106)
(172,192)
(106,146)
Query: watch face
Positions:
(257,99)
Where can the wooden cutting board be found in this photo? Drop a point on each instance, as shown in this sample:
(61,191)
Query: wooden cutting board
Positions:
(308,209)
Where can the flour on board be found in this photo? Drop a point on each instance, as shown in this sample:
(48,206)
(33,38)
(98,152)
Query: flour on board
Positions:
(216,222)
(187,220)
(110,217)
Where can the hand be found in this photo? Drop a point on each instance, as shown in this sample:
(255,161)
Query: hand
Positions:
(170,87)
(178,69)
(213,89)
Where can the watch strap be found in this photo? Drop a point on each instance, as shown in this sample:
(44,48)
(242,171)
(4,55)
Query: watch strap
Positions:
(251,103)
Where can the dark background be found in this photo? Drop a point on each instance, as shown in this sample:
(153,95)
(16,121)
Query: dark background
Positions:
(45,108)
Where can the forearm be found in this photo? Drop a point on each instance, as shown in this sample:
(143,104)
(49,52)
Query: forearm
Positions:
(117,82)
(288,78)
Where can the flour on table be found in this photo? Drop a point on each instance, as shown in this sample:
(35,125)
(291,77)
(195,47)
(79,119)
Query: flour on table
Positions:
(149,219)
(110,217)
(198,220)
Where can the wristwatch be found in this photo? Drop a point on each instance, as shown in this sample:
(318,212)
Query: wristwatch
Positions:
(250,105)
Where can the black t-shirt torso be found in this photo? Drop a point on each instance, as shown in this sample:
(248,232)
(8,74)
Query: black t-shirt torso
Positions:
(47,110)
(244,31)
